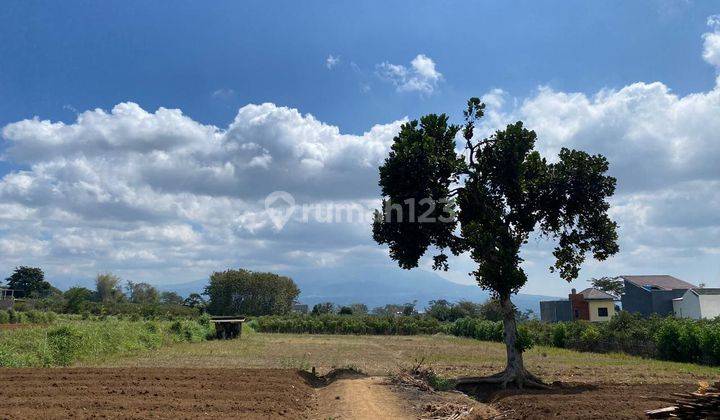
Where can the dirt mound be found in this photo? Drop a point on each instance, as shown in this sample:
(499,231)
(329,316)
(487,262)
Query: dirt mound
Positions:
(581,401)
(319,381)
(157,393)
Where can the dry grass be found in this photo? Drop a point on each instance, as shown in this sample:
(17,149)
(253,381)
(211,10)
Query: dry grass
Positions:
(378,355)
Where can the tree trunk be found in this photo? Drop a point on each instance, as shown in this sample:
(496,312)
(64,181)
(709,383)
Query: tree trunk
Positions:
(514,369)
(514,356)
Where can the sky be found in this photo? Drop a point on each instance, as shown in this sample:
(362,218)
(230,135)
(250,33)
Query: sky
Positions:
(143,137)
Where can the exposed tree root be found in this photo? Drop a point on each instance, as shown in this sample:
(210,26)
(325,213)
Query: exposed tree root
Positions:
(521,379)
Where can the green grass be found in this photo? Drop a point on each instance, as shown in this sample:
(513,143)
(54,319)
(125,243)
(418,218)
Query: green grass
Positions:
(377,355)
(67,341)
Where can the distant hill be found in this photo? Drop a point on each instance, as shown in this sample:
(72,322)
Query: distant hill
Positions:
(377,287)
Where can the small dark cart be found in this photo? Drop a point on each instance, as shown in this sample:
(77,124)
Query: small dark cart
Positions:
(227,327)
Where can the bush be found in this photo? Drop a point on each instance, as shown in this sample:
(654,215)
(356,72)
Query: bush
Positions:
(191,331)
(661,338)
(76,339)
(589,338)
(559,335)
(710,344)
(65,344)
(349,324)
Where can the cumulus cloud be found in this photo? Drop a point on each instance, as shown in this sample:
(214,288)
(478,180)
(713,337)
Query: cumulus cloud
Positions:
(664,151)
(146,191)
(421,76)
(711,45)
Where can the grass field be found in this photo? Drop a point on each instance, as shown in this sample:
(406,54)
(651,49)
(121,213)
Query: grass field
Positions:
(378,355)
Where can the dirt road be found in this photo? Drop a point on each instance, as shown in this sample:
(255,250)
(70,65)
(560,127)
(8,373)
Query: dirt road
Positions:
(366,398)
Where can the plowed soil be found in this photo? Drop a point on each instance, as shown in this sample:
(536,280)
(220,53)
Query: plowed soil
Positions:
(582,402)
(281,393)
(154,393)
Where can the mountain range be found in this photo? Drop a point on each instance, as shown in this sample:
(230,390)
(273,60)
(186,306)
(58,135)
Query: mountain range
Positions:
(377,287)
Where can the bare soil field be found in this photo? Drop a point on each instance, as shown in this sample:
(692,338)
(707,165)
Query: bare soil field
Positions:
(580,401)
(282,393)
(262,381)
(154,393)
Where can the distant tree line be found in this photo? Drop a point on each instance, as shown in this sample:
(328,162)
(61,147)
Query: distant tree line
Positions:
(441,310)
(108,297)
(229,292)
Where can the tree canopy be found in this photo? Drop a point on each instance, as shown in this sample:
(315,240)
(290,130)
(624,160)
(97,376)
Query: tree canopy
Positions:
(613,285)
(144,293)
(171,298)
(246,292)
(30,281)
(487,202)
(107,287)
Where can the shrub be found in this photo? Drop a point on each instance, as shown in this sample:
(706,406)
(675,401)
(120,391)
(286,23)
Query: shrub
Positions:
(74,340)
(559,335)
(710,344)
(349,324)
(65,344)
(524,339)
(191,331)
(589,338)
(667,339)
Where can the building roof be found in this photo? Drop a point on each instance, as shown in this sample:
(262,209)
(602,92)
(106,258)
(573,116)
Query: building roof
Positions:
(659,282)
(592,293)
(706,291)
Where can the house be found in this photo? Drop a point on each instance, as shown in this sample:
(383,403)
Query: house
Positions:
(555,310)
(653,294)
(698,304)
(591,304)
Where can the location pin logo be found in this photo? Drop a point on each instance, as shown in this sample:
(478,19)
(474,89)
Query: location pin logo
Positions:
(280,206)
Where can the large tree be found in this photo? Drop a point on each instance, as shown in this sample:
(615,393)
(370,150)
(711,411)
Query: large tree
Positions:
(107,287)
(143,293)
(76,299)
(487,202)
(246,292)
(30,281)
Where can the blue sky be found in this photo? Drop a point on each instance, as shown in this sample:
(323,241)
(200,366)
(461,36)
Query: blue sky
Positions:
(210,60)
(83,55)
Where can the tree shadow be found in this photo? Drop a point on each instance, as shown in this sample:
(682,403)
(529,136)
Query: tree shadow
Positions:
(489,393)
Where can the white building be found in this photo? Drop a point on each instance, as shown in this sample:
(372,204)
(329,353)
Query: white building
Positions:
(697,304)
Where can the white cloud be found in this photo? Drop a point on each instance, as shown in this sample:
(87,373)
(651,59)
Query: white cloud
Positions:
(144,193)
(711,44)
(331,61)
(223,93)
(663,149)
(421,76)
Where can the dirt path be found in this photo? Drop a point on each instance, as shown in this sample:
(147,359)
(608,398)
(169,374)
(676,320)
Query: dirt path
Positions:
(363,398)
